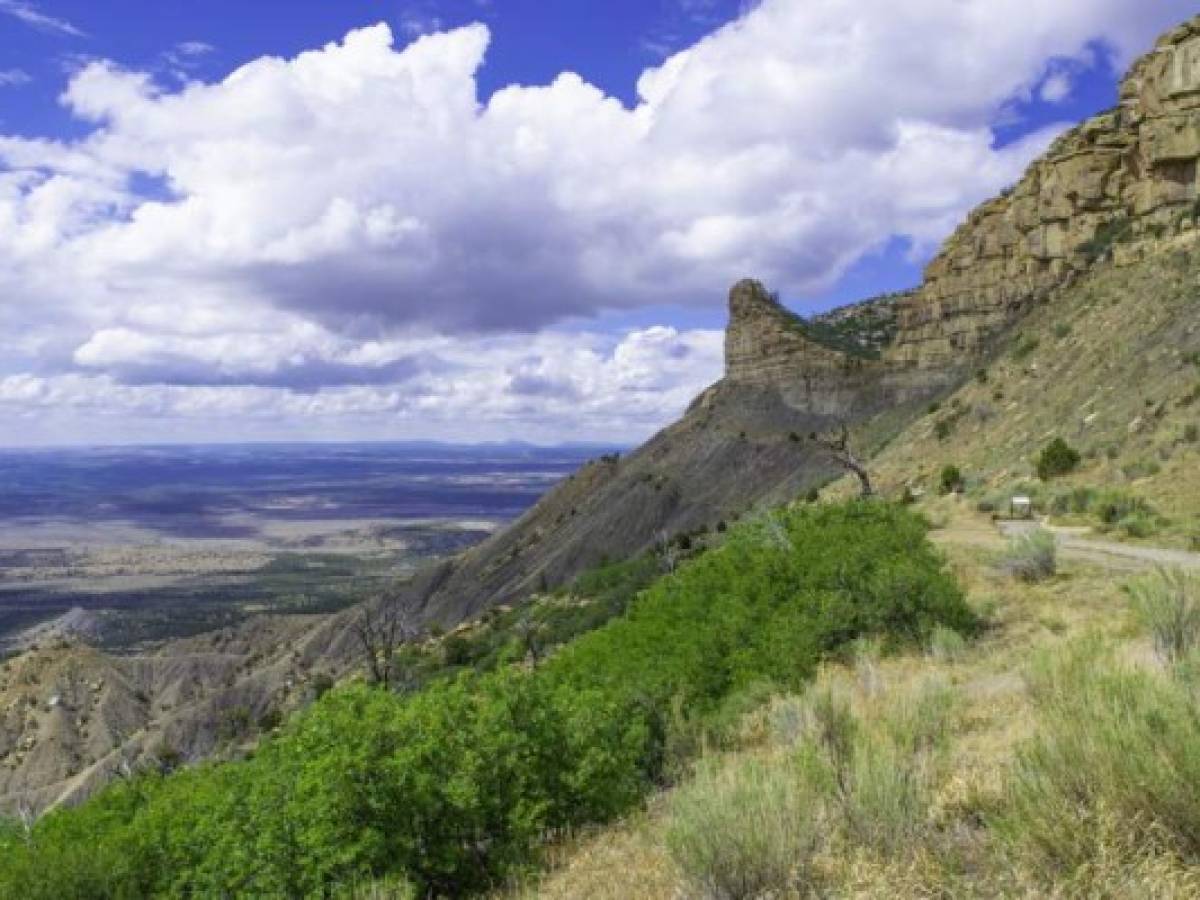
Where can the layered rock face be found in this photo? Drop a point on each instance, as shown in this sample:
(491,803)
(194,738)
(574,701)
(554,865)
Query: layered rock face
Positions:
(1123,183)
(771,349)
(766,345)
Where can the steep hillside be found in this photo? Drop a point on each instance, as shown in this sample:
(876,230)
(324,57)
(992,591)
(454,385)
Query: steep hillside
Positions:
(745,442)
(1112,365)
(72,717)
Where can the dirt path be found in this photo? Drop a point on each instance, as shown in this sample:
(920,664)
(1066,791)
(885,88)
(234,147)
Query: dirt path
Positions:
(1076,542)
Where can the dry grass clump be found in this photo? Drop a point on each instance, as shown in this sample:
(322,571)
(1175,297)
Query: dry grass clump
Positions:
(837,777)
(741,831)
(1032,556)
(946,645)
(1168,604)
(1111,741)
(628,861)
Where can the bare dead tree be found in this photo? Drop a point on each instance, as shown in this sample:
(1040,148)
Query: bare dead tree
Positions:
(838,447)
(668,551)
(125,766)
(27,816)
(380,629)
(530,634)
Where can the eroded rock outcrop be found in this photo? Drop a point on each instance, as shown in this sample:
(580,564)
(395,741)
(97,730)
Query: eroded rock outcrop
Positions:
(1122,184)
(812,370)
(766,344)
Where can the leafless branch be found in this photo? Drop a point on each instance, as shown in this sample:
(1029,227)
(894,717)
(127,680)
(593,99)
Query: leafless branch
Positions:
(838,447)
(26,816)
(668,552)
(380,629)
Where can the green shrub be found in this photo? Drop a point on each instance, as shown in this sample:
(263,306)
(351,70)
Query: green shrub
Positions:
(1079,500)
(1057,458)
(1111,507)
(1168,604)
(1191,433)
(1112,742)
(951,480)
(1025,347)
(1139,525)
(745,830)
(1113,232)
(1032,556)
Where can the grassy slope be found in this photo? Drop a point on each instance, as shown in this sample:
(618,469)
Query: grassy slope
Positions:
(993,715)
(1112,365)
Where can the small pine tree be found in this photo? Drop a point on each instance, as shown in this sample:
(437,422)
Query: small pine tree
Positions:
(951,479)
(1057,458)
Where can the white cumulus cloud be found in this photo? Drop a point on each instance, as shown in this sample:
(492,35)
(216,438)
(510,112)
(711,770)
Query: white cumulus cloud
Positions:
(358,229)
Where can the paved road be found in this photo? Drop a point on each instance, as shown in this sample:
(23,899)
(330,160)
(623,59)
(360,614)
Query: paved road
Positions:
(1076,543)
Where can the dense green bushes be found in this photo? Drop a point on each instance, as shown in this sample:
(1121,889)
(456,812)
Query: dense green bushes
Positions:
(455,786)
(785,591)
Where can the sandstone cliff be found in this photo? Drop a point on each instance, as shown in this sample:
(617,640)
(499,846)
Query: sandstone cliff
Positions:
(1120,184)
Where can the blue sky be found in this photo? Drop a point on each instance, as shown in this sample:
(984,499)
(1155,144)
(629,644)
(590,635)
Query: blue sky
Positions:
(455,239)
(608,42)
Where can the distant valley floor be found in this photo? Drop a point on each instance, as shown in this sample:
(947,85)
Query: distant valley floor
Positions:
(125,548)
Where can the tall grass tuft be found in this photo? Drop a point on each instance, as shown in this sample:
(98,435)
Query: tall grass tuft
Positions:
(746,830)
(1112,742)
(1032,556)
(946,645)
(1168,603)
(880,772)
